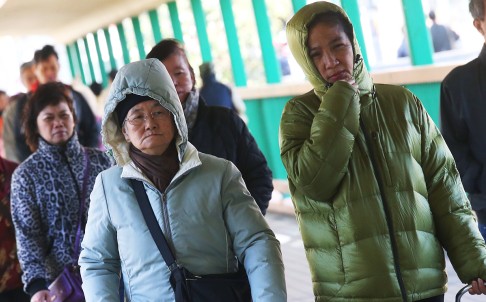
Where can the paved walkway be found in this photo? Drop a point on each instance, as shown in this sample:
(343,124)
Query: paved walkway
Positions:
(299,287)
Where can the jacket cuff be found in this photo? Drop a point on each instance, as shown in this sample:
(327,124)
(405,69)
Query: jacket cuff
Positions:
(35,286)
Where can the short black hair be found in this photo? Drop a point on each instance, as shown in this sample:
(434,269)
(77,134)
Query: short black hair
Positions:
(44,54)
(112,74)
(334,18)
(476,8)
(96,88)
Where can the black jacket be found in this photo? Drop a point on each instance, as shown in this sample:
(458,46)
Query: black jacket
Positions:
(220,132)
(16,148)
(462,110)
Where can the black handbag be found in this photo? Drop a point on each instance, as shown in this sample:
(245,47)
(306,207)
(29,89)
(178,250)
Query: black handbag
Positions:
(187,286)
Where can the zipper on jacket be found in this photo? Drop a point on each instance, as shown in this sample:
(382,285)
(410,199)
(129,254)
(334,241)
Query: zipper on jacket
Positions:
(165,216)
(387,212)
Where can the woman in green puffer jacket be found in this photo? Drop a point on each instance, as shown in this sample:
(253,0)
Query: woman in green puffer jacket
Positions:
(375,188)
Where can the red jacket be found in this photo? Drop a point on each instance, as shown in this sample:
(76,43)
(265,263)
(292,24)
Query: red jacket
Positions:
(9,264)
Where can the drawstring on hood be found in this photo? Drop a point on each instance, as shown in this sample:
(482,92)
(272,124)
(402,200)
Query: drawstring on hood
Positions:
(297,36)
(144,78)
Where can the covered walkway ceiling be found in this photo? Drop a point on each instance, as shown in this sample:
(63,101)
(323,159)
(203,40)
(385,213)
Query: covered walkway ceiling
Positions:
(66,20)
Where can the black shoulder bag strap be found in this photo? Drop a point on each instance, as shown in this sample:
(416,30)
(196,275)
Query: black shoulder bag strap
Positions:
(148,214)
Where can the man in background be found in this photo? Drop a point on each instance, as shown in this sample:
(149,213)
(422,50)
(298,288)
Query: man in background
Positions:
(462,111)
(216,93)
(443,37)
(46,67)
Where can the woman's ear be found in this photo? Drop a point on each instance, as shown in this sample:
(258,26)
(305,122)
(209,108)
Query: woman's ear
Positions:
(477,24)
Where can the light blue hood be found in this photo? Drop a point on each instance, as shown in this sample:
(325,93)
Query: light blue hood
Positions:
(146,78)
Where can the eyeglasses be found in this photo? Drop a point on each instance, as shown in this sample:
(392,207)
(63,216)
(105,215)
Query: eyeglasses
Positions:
(139,119)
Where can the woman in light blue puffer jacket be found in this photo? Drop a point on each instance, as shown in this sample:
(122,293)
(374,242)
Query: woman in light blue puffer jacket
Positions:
(201,203)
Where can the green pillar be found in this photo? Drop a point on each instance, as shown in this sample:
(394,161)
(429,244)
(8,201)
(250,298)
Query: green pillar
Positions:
(202,34)
(80,63)
(138,36)
(237,65)
(174,19)
(106,31)
(298,4)
(270,62)
(71,62)
(420,43)
(154,21)
(90,62)
(123,42)
(101,63)
(352,9)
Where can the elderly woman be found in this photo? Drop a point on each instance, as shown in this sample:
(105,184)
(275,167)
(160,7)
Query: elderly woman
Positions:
(375,188)
(201,204)
(49,188)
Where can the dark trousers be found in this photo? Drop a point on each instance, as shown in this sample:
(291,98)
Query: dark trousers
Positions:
(433,299)
(16,295)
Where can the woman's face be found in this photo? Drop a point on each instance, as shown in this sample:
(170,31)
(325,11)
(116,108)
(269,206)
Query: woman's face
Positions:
(149,127)
(180,73)
(331,51)
(56,124)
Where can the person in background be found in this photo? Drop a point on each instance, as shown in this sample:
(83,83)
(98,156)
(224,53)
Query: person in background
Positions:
(200,201)
(46,67)
(4,99)
(49,187)
(27,76)
(443,37)
(103,97)
(10,273)
(462,110)
(215,130)
(376,191)
(216,93)
(12,133)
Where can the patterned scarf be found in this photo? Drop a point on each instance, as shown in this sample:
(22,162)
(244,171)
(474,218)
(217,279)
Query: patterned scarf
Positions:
(160,169)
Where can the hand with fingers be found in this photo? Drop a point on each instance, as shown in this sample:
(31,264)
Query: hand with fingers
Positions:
(478,287)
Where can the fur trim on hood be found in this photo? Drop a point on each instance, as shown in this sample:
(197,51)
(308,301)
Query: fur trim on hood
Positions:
(146,78)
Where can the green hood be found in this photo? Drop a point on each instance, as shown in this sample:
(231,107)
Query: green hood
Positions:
(297,39)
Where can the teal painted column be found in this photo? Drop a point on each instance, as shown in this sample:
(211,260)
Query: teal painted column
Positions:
(419,40)
(154,21)
(298,4)
(352,9)
(90,62)
(237,64)
(123,42)
(202,34)
(138,36)
(71,62)
(80,63)
(174,19)
(101,63)
(270,62)
(106,31)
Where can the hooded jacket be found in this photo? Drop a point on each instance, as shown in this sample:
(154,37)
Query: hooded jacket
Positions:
(375,188)
(206,213)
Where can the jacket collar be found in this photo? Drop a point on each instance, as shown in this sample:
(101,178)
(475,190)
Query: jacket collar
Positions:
(72,149)
(189,161)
